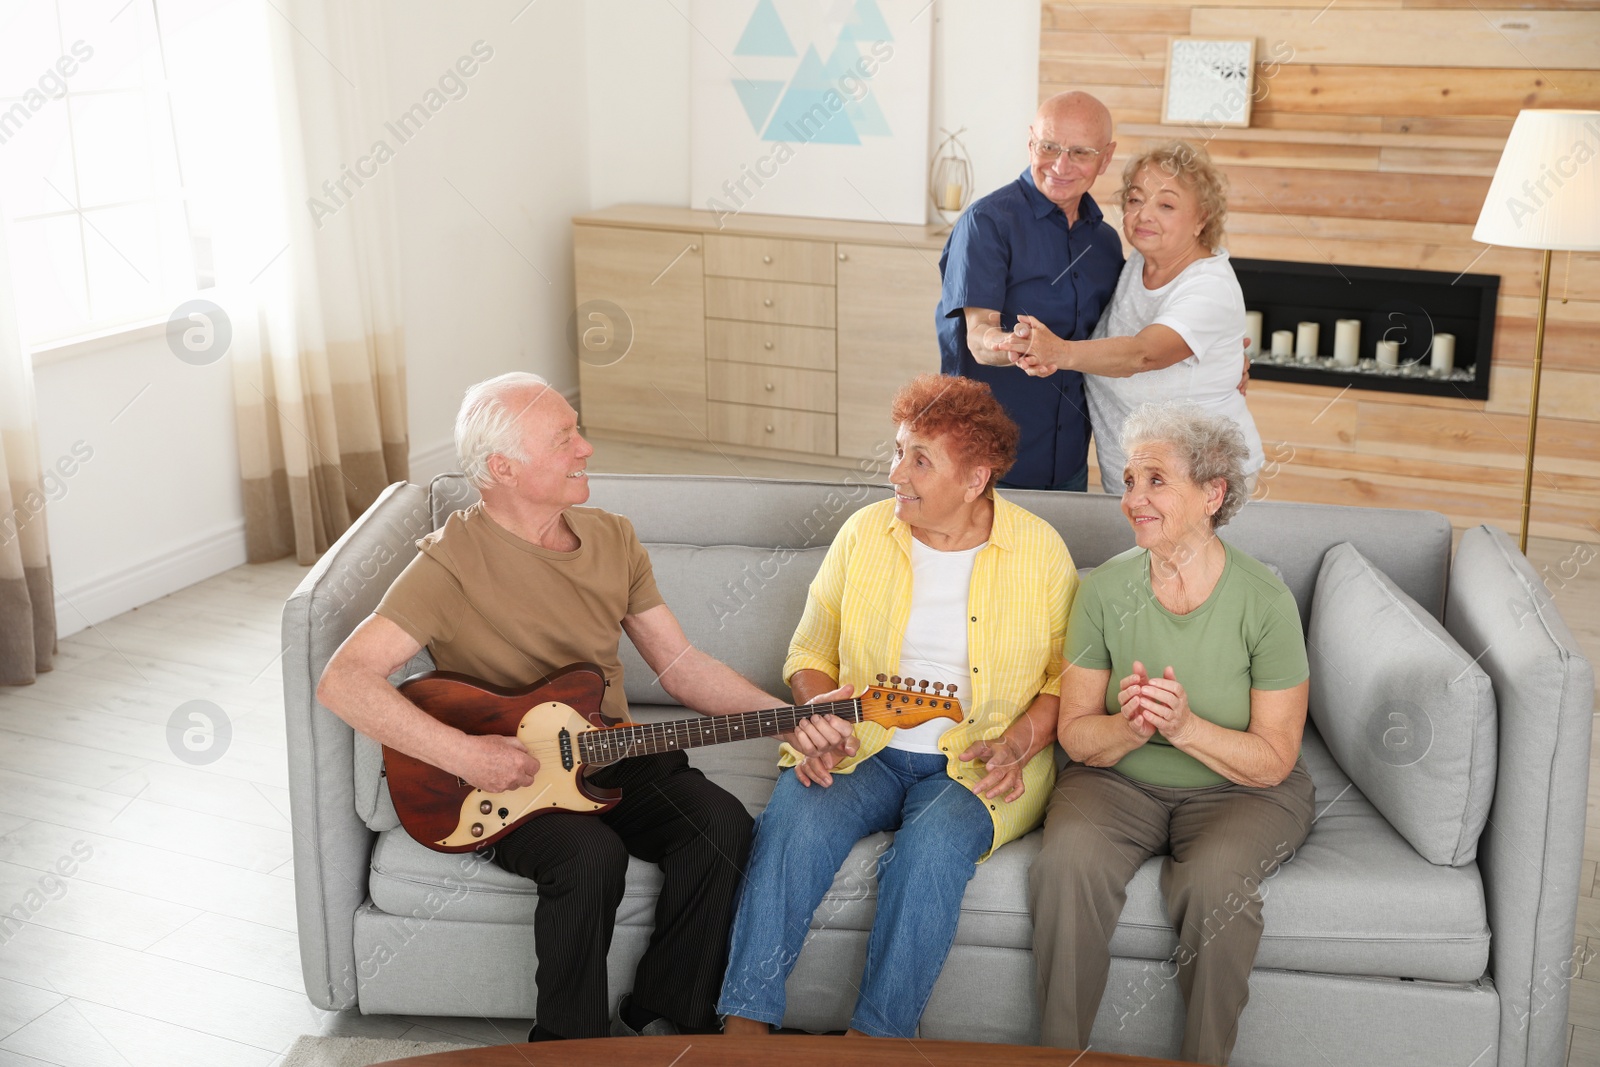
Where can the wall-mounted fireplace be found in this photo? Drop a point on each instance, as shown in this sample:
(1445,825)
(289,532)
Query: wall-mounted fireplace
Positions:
(1407,308)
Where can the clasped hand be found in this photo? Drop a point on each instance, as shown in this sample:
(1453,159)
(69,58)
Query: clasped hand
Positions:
(1151,705)
(1030,345)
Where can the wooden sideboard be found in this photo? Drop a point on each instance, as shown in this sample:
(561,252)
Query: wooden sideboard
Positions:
(766,335)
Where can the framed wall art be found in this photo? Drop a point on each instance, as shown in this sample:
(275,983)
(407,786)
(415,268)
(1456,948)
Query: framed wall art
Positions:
(1209,82)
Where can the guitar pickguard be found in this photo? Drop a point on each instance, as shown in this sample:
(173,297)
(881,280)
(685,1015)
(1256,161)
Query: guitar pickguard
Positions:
(555,787)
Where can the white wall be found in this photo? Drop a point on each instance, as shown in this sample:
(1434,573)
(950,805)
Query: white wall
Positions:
(487,271)
(581,107)
(157,505)
(985,77)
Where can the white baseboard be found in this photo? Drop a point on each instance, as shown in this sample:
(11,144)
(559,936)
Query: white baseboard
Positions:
(111,594)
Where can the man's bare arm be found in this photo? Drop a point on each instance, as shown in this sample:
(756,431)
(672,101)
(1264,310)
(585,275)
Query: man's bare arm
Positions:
(984,334)
(355,686)
(710,686)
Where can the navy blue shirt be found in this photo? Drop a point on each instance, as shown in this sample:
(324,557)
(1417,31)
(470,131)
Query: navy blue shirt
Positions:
(1014,251)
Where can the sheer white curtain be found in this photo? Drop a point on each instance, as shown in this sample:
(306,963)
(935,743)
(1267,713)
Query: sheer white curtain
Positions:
(27,602)
(321,406)
(312,294)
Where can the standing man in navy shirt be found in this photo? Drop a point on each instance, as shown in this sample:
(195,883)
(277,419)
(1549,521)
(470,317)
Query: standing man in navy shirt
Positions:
(1039,246)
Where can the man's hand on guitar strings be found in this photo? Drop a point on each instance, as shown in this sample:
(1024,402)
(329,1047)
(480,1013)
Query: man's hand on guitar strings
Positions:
(823,740)
(496,763)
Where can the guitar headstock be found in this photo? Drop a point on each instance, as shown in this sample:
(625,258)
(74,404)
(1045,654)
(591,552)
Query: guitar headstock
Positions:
(905,702)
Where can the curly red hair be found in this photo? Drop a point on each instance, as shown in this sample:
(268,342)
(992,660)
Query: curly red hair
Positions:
(965,413)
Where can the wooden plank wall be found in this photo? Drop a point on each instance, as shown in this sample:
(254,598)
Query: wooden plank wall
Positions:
(1377,127)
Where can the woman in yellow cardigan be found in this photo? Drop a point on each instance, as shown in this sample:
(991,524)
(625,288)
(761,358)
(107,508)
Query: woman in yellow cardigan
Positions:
(945,583)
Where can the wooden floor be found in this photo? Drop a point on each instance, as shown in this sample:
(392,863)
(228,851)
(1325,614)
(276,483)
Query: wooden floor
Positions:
(158,894)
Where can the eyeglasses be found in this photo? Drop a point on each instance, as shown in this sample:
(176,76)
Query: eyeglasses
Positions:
(1050,151)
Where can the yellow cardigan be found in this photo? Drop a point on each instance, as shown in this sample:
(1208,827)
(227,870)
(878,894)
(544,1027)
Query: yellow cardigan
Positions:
(1023,582)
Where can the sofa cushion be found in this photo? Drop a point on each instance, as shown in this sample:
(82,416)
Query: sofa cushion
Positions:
(1406,712)
(1356,898)
(739,605)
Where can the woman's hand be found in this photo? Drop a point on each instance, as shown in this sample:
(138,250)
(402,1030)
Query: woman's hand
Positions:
(1128,696)
(1005,759)
(1034,348)
(1164,704)
(823,740)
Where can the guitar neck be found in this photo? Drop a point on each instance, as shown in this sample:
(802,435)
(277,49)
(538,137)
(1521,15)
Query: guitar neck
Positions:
(643,739)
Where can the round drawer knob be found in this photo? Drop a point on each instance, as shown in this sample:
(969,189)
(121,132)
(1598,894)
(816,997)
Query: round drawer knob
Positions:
(767,302)
(769,427)
(843,257)
(770,387)
(768,346)
(766,259)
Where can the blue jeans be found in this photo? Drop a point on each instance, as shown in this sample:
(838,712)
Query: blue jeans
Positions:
(802,839)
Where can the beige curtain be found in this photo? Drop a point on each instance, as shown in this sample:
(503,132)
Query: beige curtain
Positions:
(27,601)
(320,379)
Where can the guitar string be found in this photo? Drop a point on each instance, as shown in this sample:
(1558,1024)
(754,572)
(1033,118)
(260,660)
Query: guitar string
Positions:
(655,737)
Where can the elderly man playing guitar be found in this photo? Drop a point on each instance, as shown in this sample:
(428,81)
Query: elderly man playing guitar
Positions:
(509,591)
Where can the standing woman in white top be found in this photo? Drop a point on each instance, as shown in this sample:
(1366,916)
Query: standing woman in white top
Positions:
(1173,329)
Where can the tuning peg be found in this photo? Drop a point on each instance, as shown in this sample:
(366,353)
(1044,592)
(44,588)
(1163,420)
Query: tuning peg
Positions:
(951,691)
(894,680)
(936,687)
(882,678)
(924,685)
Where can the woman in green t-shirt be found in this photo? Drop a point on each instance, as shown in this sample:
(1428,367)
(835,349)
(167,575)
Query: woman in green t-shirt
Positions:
(1182,706)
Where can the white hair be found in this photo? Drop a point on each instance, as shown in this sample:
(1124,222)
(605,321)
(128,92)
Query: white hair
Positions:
(485,426)
(1210,446)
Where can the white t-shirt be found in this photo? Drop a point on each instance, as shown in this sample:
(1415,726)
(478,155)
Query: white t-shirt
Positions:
(1205,306)
(934,648)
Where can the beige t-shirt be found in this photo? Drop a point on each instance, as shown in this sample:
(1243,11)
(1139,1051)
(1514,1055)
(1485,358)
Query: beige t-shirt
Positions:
(489,604)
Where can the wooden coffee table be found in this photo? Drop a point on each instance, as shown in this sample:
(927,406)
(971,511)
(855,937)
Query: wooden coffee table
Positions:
(779,1050)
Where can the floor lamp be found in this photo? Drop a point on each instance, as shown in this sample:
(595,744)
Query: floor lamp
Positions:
(1545,195)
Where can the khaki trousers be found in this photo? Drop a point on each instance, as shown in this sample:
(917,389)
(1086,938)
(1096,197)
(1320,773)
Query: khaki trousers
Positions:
(1221,843)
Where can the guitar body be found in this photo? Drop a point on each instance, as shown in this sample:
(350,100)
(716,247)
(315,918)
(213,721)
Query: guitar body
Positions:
(448,814)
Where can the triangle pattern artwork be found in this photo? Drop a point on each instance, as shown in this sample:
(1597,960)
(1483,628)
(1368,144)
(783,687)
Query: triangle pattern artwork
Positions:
(868,23)
(844,74)
(758,98)
(804,115)
(764,35)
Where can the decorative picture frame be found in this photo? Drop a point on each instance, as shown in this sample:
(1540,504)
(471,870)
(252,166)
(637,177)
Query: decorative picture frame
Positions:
(1209,82)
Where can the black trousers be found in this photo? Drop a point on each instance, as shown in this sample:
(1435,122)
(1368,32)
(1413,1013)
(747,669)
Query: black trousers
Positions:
(670,815)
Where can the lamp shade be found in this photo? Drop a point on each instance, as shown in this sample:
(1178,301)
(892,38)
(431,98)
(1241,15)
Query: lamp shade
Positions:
(1546,190)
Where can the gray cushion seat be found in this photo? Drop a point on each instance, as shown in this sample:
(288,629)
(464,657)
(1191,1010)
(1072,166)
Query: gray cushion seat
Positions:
(1320,913)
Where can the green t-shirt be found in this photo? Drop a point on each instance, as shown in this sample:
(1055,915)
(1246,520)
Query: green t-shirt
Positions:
(1246,635)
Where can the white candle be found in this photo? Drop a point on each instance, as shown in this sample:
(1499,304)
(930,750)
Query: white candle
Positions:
(1444,352)
(1346,342)
(952,197)
(1305,345)
(1282,344)
(1252,330)
(1389,355)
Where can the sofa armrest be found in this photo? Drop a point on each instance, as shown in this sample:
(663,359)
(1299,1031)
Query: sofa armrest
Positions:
(332,846)
(1531,851)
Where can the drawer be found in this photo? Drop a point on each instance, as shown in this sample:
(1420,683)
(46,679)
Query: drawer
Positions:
(760,301)
(779,387)
(796,431)
(770,343)
(770,258)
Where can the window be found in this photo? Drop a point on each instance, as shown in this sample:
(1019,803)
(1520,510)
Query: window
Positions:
(90,176)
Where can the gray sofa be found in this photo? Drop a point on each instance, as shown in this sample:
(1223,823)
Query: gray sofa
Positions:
(1371,954)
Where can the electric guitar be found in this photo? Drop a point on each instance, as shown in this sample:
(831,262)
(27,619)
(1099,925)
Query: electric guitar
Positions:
(560,724)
